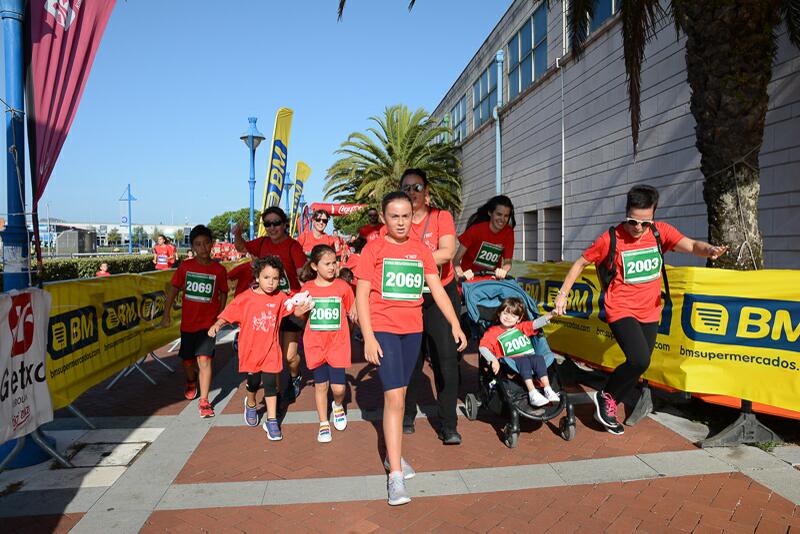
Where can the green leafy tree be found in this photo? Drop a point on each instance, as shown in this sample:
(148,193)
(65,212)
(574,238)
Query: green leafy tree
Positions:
(179,237)
(373,162)
(730,50)
(113,237)
(139,236)
(219,223)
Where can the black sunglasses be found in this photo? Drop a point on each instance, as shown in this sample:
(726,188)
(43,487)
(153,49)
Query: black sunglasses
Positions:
(412,187)
(273,223)
(322,220)
(637,222)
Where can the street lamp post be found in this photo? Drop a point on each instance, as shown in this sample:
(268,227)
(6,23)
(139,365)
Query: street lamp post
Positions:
(252,138)
(230,225)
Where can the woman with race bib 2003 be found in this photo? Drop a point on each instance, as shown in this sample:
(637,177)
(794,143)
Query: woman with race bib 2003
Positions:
(278,243)
(633,295)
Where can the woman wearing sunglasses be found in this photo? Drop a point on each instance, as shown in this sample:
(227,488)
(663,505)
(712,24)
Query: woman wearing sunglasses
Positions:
(633,295)
(316,235)
(437,230)
(278,243)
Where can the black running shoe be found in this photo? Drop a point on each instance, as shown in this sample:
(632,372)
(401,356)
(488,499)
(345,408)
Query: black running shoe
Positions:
(606,412)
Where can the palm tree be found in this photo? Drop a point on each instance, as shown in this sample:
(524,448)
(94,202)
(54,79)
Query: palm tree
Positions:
(371,165)
(730,48)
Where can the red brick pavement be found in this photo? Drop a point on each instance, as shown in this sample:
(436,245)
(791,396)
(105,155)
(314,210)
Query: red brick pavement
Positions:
(660,505)
(134,395)
(358,450)
(40,523)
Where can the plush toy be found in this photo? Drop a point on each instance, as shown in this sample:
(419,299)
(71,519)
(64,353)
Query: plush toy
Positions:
(299,299)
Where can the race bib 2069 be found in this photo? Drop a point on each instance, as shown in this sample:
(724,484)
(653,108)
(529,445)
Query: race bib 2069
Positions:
(199,287)
(402,279)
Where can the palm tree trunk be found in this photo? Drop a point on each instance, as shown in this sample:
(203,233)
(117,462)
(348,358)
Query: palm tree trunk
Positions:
(729,55)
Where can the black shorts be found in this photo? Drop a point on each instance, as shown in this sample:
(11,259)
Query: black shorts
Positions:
(194,344)
(292,323)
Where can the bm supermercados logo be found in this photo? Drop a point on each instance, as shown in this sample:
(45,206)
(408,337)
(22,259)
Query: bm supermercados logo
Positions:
(579,300)
(71,331)
(152,305)
(119,315)
(771,324)
(277,172)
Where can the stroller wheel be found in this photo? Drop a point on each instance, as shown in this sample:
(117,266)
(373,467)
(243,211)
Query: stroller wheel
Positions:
(471,404)
(510,438)
(566,430)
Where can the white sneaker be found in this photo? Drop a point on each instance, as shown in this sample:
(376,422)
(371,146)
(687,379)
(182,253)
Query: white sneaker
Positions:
(396,487)
(551,395)
(339,417)
(408,471)
(537,399)
(324,435)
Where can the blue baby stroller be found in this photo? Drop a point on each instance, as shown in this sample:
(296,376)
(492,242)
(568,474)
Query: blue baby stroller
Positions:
(503,394)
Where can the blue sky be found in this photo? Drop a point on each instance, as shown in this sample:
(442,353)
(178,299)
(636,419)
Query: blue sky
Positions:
(174,82)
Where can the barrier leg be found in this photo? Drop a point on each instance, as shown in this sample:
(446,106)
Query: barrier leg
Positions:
(175,345)
(746,429)
(36,436)
(116,378)
(13,454)
(643,407)
(159,360)
(82,417)
(148,377)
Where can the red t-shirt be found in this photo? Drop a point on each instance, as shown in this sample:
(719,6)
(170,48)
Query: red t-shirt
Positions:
(327,335)
(637,292)
(201,286)
(289,251)
(173,252)
(308,241)
(259,318)
(486,250)
(392,269)
(102,273)
(163,255)
(491,339)
(370,232)
(243,274)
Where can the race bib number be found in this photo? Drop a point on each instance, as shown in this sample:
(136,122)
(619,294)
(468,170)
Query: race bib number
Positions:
(639,266)
(402,279)
(161,259)
(488,255)
(283,284)
(326,314)
(425,288)
(515,343)
(199,287)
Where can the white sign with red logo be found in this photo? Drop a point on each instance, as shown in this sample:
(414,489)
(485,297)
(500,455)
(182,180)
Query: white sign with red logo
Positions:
(24,396)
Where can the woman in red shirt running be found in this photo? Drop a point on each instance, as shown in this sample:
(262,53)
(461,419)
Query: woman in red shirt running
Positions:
(316,236)
(488,242)
(389,301)
(633,296)
(163,254)
(278,243)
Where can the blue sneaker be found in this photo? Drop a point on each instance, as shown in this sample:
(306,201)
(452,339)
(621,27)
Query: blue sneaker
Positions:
(272,429)
(250,414)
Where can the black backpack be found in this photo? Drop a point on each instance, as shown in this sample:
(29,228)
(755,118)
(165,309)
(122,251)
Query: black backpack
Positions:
(607,269)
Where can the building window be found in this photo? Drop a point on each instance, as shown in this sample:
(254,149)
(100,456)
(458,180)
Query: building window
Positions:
(458,120)
(603,9)
(527,53)
(484,95)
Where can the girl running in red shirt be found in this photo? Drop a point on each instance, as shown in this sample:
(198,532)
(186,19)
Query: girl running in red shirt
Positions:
(633,296)
(488,242)
(326,340)
(389,303)
(259,313)
(510,338)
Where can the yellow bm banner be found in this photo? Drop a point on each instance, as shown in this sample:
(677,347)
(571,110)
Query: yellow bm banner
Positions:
(721,332)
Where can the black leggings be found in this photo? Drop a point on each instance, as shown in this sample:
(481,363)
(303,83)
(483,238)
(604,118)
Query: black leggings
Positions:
(438,342)
(270,383)
(637,341)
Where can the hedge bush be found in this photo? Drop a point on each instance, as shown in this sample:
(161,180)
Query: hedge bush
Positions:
(71,268)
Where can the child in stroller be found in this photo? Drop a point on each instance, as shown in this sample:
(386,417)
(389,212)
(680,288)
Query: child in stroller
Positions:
(510,340)
(505,394)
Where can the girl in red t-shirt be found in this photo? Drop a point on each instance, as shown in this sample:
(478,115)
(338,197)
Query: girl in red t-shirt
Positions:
(259,312)
(633,296)
(163,254)
(510,338)
(389,303)
(487,244)
(326,340)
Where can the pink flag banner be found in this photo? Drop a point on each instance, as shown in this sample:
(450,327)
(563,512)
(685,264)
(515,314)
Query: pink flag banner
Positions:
(61,40)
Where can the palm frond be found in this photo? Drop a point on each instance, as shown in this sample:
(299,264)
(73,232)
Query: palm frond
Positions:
(578,16)
(791,14)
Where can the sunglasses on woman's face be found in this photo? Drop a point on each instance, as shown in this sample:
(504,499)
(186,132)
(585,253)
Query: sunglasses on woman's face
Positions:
(274,223)
(322,220)
(412,187)
(637,222)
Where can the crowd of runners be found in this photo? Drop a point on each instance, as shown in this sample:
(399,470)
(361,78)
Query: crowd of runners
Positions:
(395,287)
